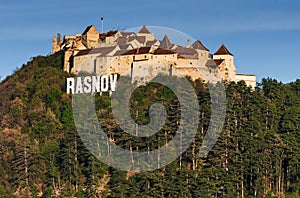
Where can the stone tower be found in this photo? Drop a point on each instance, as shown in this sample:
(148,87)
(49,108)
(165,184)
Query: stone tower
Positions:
(227,68)
(56,43)
(203,52)
(165,43)
(90,37)
(145,32)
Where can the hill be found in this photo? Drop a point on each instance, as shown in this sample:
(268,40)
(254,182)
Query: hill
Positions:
(41,153)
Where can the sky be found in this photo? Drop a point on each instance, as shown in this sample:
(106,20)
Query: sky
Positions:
(263,35)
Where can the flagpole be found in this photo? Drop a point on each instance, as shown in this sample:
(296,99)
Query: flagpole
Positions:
(102,24)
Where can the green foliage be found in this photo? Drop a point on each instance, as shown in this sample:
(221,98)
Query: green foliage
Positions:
(257,154)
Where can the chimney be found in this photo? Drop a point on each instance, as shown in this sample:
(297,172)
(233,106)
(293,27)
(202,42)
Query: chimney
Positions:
(188,43)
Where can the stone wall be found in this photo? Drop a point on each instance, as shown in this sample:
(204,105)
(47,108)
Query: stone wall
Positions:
(249,79)
(229,69)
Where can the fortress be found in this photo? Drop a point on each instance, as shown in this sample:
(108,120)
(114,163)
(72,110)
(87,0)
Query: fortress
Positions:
(141,56)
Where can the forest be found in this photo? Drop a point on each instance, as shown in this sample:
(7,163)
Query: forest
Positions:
(42,155)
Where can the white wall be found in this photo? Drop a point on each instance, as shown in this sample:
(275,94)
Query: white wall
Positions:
(249,79)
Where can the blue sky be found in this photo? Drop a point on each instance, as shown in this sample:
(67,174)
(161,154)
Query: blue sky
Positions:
(264,35)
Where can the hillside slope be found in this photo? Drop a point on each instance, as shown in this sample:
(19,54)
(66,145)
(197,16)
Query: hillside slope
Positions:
(41,153)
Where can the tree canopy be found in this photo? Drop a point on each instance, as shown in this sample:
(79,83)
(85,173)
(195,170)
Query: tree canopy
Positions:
(42,155)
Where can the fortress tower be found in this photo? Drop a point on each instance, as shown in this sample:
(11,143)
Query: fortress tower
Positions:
(203,52)
(56,43)
(90,37)
(145,32)
(225,60)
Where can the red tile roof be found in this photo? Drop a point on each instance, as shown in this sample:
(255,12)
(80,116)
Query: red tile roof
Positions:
(141,50)
(211,63)
(83,52)
(150,43)
(144,30)
(165,43)
(185,50)
(140,39)
(120,52)
(223,51)
(199,45)
(163,51)
(127,33)
(101,50)
(219,61)
(111,33)
(107,34)
(121,40)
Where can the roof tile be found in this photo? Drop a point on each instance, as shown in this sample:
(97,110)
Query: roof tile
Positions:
(198,45)
(165,43)
(223,51)
(144,30)
(218,61)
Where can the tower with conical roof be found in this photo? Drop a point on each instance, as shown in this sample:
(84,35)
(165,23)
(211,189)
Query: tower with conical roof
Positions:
(227,69)
(145,32)
(165,43)
(202,51)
